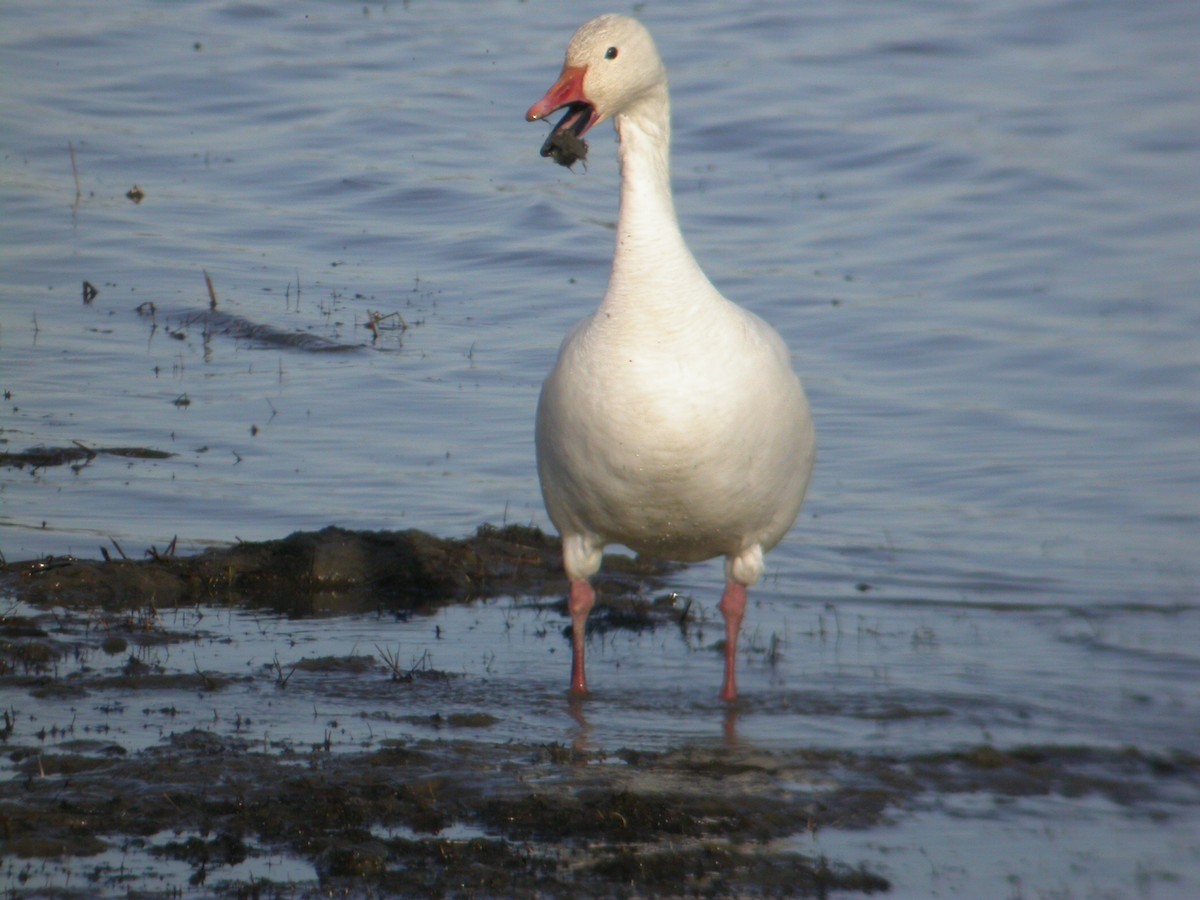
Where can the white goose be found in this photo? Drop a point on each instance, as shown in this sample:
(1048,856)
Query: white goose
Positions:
(672,421)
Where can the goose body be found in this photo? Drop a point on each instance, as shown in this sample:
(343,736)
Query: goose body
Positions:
(672,421)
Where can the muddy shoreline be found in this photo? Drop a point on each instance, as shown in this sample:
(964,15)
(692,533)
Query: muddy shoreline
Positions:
(450,815)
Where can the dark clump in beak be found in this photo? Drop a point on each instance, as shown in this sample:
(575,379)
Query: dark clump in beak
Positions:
(564,145)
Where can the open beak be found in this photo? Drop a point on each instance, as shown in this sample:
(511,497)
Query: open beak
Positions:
(568,92)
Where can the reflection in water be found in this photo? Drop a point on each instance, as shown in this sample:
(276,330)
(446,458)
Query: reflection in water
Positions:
(729,726)
(582,730)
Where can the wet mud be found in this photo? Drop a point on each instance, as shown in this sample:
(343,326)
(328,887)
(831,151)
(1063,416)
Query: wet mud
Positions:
(449,815)
(215,322)
(332,570)
(76,456)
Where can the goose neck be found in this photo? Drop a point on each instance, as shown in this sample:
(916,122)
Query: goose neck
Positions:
(648,235)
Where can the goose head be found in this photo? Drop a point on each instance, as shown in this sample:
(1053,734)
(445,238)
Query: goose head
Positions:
(611,65)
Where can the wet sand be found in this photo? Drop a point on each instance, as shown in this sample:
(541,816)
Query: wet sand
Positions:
(92,809)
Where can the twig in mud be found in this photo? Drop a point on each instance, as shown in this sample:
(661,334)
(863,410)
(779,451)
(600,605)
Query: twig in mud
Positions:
(422,664)
(212,294)
(392,661)
(154,554)
(210,684)
(74,172)
(687,609)
(774,654)
(118,546)
(375,323)
(281,680)
(399,673)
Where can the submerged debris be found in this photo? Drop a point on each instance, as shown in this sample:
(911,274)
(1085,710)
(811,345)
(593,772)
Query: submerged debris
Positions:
(41,457)
(214,321)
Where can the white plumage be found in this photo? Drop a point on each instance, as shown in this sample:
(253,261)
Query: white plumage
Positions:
(672,421)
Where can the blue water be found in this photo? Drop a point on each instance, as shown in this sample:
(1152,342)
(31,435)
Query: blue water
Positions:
(976,225)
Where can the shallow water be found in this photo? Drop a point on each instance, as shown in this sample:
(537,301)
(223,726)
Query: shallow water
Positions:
(974,225)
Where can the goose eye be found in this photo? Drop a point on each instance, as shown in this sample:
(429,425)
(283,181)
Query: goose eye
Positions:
(610,53)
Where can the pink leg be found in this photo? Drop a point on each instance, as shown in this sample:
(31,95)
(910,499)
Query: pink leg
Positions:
(733,607)
(579,605)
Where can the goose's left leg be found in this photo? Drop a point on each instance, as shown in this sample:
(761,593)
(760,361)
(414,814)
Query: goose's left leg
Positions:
(579,604)
(733,608)
(741,571)
(581,560)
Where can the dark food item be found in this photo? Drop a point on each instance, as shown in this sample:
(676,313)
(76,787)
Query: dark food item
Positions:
(565,144)
(565,148)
